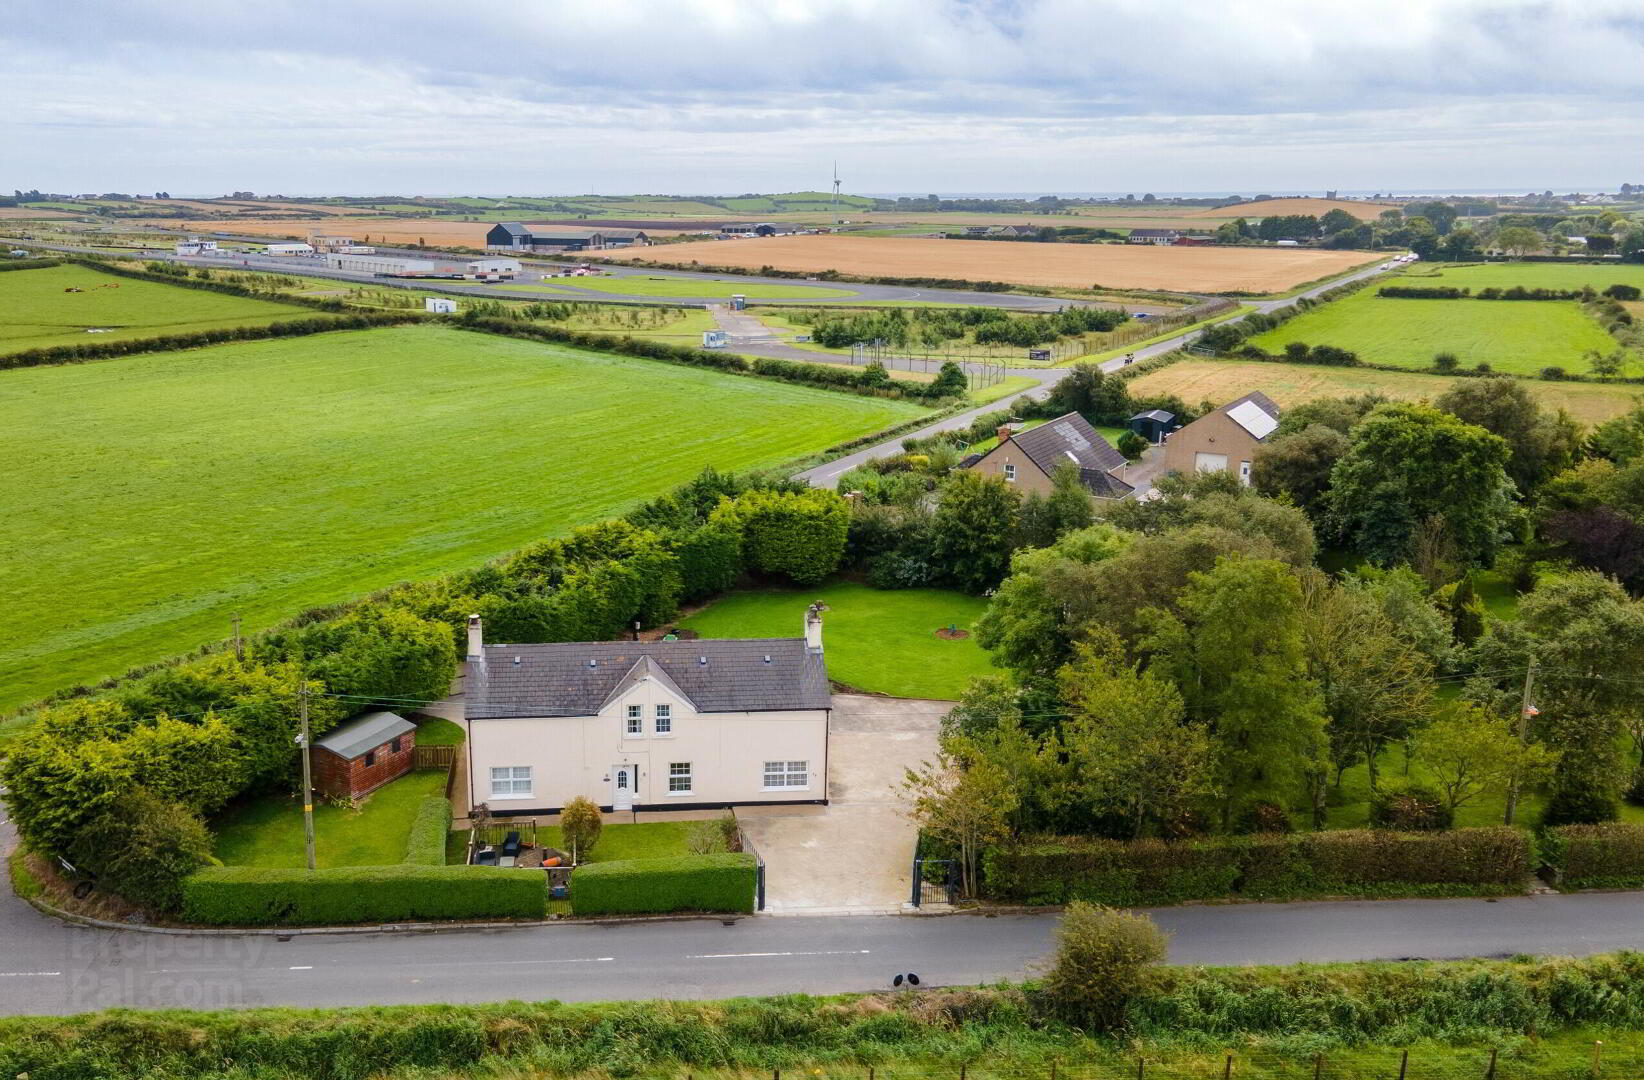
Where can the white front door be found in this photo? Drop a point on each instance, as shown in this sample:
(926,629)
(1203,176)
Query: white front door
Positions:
(624,778)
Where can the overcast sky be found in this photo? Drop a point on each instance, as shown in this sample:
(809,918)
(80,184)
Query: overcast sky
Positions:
(201,97)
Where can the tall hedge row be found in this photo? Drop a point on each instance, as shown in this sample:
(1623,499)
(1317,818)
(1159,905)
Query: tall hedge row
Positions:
(678,883)
(252,896)
(1607,856)
(1362,862)
(429,828)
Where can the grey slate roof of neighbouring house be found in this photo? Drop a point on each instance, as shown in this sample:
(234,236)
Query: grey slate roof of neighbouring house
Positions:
(1155,414)
(1104,485)
(364,732)
(559,680)
(1068,440)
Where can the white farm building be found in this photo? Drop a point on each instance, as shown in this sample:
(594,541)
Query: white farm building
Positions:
(487,269)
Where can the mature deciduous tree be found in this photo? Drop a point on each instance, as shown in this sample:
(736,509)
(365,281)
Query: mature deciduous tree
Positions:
(1236,651)
(1298,466)
(1540,443)
(1409,463)
(965,800)
(1469,752)
(974,530)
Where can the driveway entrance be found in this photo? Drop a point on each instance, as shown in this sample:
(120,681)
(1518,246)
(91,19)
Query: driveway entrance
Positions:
(856,854)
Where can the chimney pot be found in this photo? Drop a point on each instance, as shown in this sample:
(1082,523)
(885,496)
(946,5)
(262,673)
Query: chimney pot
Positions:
(813,627)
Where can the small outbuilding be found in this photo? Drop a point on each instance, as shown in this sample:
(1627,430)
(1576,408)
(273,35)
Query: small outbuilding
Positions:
(439,305)
(1152,425)
(363,754)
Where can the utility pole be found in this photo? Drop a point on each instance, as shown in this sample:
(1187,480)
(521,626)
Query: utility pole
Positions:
(308,780)
(239,649)
(1524,710)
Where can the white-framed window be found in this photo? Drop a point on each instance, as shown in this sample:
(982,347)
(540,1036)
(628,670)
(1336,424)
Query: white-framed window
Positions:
(787,774)
(679,778)
(1010,474)
(636,719)
(511,782)
(664,719)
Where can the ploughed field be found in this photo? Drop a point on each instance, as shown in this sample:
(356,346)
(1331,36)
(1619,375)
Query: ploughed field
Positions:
(1290,384)
(37,311)
(153,496)
(1083,266)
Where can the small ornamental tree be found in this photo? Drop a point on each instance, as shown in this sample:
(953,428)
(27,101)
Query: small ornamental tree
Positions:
(1132,445)
(1100,964)
(580,823)
(964,800)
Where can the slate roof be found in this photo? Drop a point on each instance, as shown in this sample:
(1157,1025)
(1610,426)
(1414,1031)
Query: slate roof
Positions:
(557,679)
(1154,232)
(1155,414)
(365,732)
(1068,440)
(1260,401)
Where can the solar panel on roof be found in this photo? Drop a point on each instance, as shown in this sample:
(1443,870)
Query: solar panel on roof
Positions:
(1253,418)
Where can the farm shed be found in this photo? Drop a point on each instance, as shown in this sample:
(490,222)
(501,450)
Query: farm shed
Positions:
(363,754)
(515,236)
(1152,425)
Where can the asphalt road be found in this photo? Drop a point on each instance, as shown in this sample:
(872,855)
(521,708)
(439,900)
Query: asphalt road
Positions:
(826,475)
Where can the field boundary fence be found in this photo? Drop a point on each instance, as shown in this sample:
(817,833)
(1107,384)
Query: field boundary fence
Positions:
(982,370)
(1597,1061)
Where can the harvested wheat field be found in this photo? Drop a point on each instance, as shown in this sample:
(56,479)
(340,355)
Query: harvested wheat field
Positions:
(24,213)
(1291,384)
(1079,266)
(1364,211)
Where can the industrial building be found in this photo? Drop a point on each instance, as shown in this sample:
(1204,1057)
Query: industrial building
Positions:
(194,246)
(289,249)
(487,269)
(515,236)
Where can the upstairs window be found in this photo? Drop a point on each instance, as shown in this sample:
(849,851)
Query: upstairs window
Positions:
(664,719)
(636,719)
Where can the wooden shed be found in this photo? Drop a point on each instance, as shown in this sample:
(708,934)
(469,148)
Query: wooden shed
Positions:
(363,754)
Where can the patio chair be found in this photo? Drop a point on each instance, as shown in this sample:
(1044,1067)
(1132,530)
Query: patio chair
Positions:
(510,845)
(485,857)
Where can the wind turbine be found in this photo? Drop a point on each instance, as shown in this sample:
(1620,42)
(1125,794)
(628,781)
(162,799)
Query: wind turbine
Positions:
(836,192)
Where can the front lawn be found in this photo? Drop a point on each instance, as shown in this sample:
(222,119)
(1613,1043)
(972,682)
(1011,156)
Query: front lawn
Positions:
(268,830)
(878,640)
(648,840)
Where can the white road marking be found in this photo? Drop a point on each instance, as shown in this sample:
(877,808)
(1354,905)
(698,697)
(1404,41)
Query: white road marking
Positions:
(27,974)
(577,960)
(301,967)
(744,955)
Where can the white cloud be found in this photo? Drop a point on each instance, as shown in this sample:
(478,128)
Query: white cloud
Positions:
(683,95)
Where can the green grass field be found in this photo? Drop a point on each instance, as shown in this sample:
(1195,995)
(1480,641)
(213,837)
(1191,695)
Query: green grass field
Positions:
(878,640)
(35,311)
(643,840)
(1531,275)
(268,830)
(159,494)
(637,285)
(1519,336)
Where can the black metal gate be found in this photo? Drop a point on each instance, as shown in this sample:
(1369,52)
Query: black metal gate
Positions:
(935,881)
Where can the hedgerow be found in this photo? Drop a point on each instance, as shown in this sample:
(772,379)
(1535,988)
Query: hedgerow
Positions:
(678,883)
(1356,862)
(258,896)
(1607,856)
(425,846)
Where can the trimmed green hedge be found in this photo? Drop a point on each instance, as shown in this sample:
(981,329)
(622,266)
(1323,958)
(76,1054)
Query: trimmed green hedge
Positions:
(1607,856)
(426,844)
(251,896)
(677,883)
(1357,862)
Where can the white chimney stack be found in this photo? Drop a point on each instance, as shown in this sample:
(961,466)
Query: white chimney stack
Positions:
(476,638)
(813,627)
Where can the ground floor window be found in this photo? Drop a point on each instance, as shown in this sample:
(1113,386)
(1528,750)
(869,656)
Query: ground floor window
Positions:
(511,782)
(679,778)
(787,774)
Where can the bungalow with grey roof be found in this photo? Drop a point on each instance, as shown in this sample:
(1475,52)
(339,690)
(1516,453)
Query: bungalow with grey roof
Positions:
(1029,459)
